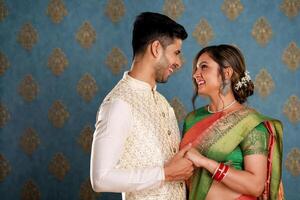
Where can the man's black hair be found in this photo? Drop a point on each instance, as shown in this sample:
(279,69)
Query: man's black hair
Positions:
(150,26)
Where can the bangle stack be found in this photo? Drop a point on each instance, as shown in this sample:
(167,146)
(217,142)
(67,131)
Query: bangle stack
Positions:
(220,172)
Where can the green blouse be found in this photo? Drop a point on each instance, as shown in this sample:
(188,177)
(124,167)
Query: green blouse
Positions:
(256,141)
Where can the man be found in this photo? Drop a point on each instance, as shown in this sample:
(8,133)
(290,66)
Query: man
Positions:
(136,141)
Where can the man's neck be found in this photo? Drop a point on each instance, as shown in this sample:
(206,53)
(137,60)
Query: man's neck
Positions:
(143,72)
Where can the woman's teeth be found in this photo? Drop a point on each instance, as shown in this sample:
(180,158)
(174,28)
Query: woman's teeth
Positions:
(200,82)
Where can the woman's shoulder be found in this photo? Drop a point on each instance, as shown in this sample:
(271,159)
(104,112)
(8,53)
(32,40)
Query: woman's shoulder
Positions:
(196,113)
(263,118)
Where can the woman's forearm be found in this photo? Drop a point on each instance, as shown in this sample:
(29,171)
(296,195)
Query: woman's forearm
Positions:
(240,181)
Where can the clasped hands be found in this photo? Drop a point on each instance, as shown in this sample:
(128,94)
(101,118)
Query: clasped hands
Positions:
(181,166)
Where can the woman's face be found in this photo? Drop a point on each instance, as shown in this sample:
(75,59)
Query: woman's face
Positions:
(207,76)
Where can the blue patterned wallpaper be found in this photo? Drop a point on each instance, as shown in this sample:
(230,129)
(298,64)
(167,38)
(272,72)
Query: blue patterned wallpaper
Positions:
(59,58)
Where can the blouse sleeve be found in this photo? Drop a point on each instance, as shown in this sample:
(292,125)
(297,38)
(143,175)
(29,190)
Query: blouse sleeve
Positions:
(256,142)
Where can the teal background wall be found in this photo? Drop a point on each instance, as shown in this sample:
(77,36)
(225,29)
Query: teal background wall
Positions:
(59,58)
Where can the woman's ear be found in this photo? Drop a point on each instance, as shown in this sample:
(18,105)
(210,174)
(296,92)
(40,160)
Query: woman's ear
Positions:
(228,71)
(155,48)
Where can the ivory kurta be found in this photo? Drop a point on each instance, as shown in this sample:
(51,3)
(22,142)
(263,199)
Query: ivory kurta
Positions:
(136,134)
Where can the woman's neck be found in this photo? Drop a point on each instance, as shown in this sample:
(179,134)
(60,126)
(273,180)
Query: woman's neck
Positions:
(221,103)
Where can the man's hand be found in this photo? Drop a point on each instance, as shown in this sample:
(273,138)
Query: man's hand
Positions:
(179,168)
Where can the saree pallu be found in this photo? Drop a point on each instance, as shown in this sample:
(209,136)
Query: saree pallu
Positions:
(217,135)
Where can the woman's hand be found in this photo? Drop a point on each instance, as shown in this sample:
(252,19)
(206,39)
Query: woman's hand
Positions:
(194,156)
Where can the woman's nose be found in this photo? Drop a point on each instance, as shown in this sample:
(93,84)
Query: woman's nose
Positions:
(197,74)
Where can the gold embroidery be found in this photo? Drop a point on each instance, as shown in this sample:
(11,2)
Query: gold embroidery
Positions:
(232,8)
(262,31)
(4,63)
(264,83)
(203,32)
(291,56)
(58,114)
(87,87)
(4,168)
(4,115)
(57,62)
(290,7)
(29,141)
(115,10)
(59,166)
(116,60)
(3,10)
(86,35)
(220,128)
(144,147)
(30,191)
(173,8)
(292,162)
(28,36)
(86,138)
(56,10)
(28,88)
(292,109)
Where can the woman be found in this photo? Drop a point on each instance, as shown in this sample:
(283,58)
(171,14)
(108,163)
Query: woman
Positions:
(237,151)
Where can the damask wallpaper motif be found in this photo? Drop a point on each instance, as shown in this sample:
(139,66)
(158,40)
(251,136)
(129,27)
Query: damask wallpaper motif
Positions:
(59,58)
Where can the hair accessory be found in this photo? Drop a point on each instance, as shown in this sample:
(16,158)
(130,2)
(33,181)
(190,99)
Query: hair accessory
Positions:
(243,82)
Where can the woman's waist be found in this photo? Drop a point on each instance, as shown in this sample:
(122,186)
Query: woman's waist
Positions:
(221,192)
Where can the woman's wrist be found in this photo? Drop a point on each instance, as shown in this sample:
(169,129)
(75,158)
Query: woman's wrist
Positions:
(210,165)
(203,162)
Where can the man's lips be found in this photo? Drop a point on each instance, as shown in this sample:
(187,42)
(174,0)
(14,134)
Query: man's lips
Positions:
(172,69)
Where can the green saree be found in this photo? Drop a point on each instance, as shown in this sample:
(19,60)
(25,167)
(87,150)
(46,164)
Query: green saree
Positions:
(216,136)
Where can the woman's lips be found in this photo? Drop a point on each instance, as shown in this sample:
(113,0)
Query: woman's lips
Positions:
(200,82)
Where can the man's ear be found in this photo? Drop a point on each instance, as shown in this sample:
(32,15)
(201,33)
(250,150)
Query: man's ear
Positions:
(228,71)
(155,49)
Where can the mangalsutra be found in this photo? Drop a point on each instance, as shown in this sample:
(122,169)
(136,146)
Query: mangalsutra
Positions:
(226,107)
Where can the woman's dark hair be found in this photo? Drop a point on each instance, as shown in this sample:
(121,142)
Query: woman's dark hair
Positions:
(227,56)
(149,27)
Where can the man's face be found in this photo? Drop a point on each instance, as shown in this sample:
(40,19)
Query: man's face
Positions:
(169,61)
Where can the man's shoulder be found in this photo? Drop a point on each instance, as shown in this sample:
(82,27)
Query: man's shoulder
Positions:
(163,98)
(120,88)
(121,91)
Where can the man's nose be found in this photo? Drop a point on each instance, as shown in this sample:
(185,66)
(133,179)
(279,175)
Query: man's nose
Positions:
(179,62)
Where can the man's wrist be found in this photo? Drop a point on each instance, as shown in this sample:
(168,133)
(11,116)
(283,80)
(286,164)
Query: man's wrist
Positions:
(167,176)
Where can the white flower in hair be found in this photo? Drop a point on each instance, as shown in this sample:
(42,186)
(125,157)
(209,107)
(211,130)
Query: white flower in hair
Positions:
(243,82)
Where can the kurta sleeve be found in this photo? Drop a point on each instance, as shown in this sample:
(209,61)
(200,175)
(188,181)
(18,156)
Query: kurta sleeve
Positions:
(112,127)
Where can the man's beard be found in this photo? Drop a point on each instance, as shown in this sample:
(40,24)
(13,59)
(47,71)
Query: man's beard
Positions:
(161,70)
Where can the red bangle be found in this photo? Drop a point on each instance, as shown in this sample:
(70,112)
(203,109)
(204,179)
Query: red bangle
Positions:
(222,175)
(220,172)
